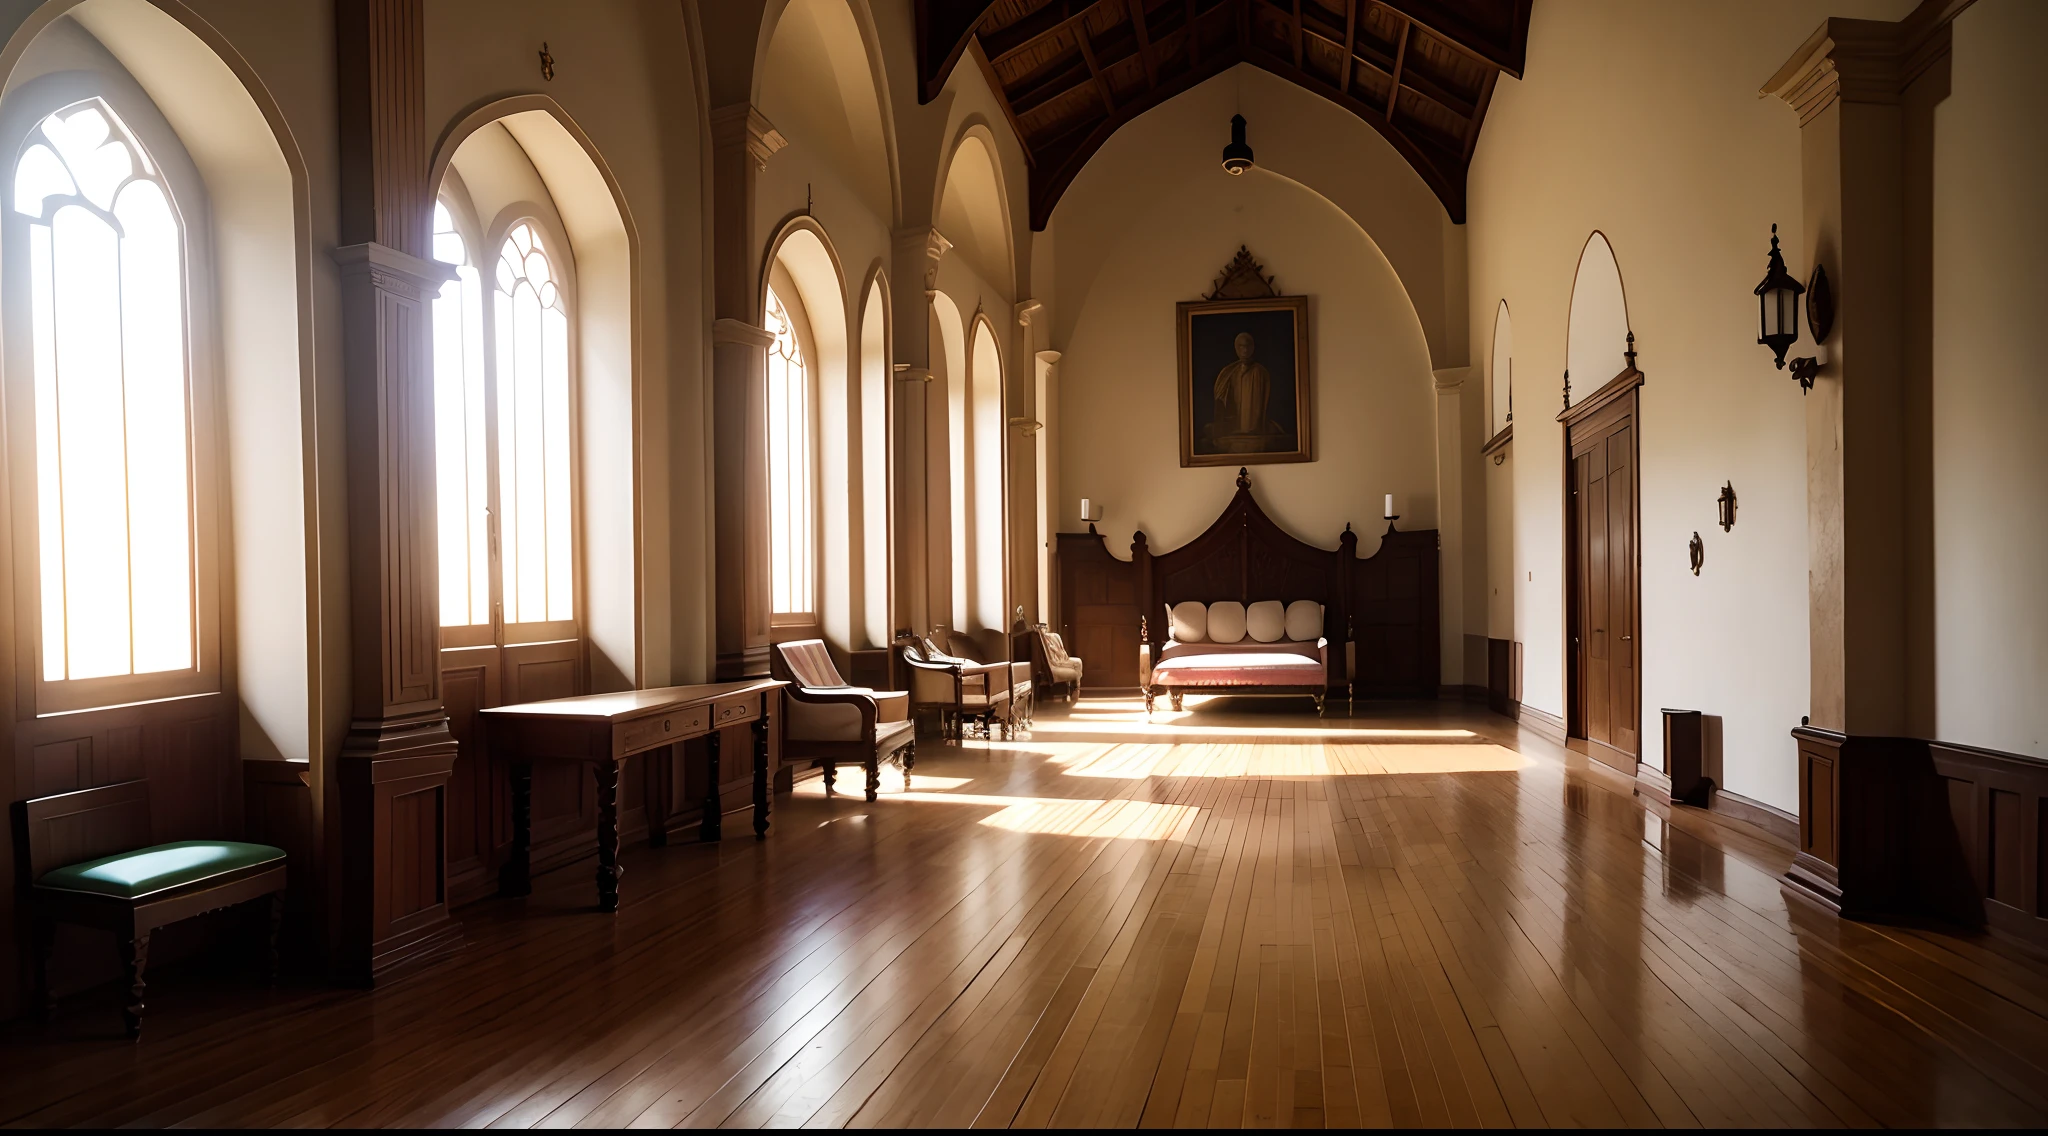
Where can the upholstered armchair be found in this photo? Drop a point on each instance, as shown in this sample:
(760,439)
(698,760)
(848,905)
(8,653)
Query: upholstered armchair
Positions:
(825,720)
(959,689)
(1052,668)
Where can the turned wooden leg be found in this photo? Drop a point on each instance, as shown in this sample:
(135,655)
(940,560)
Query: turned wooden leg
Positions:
(45,945)
(909,760)
(276,925)
(874,768)
(134,960)
(831,776)
(1176,700)
(1148,702)
(712,826)
(608,870)
(761,778)
(516,876)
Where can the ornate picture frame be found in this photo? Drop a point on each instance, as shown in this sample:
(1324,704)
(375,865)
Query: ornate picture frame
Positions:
(1245,394)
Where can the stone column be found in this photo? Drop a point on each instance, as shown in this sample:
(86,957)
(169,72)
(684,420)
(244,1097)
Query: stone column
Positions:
(742,141)
(923,510)
(387,800)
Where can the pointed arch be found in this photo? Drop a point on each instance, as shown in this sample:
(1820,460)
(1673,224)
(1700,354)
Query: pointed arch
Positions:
(817,58)
(1500,372)
(1597,329)
(985,413)
(972,205)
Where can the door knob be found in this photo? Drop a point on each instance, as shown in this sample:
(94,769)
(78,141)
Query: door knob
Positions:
(1626,638)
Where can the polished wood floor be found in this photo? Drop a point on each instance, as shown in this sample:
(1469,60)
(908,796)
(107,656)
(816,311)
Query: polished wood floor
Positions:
(1238,916)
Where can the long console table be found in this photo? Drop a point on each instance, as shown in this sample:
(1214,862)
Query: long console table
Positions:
(602,730)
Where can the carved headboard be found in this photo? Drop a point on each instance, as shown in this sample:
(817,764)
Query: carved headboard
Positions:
(1386,602)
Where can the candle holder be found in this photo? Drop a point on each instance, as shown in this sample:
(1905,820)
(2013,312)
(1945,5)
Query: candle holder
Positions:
(1391,518)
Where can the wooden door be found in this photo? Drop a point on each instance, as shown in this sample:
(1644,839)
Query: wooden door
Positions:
(1603,604)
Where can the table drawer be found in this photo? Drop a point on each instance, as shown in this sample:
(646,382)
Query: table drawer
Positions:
(641,733)
(737,710)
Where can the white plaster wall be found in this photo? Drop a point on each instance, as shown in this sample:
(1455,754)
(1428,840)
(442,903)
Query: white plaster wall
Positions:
(1665,147)
(1990,392)
(1375,424)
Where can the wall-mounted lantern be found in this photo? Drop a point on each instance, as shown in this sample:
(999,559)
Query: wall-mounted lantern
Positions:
(1778,314)
(1726,503)
(1696,552)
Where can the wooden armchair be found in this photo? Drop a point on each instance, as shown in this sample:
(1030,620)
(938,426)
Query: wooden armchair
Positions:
(960,690)
(1052,668)
(1023,704)
(827,721)
(88,861)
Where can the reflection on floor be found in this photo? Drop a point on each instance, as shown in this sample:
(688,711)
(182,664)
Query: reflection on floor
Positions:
(1240,914)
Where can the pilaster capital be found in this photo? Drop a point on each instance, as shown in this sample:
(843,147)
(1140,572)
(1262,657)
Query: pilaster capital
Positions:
(742,125)
(393,270)
(1049,358)
(905,373)
(730,331)
(1027,311)
(932,243)
(1448,379)
(1858,61)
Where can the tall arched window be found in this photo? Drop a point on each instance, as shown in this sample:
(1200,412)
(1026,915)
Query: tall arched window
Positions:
(502,422)
(987,415)
(460,451)
(790,516)
(117,513)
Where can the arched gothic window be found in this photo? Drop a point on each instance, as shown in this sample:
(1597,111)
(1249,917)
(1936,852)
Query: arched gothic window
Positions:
(790,515)
(502,421)
(117,512)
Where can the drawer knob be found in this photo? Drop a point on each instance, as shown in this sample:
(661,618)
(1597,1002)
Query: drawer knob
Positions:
(665,726)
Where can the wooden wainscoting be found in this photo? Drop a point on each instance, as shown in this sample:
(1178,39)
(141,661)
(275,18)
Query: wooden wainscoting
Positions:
(1997,807)
(1099,611)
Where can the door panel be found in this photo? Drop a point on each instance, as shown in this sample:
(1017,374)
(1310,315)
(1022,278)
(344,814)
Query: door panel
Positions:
(1622,583)
(1604,588)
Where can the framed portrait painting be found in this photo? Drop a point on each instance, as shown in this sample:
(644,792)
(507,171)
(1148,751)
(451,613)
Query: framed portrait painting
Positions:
(1244,381)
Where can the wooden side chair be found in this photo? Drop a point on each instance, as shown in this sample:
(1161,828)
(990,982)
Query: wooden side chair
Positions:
(89,862)
(1052,668)
(959,689)
(827,721)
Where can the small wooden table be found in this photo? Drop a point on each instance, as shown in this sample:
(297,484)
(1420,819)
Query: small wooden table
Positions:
(602,730)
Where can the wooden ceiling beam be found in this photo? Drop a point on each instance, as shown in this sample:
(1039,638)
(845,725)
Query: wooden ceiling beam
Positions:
(1459,104)
(1296,35)
(1095,70)
(1137,10)
(1004,47)
(1350,43)
(1400,62)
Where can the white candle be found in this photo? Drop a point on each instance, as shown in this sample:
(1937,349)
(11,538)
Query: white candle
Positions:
(1390,506)
(1087,509)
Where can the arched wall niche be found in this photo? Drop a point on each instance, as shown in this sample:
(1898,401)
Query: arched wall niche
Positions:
(526,154)
(874,464)
(985,413)
(1598,330)
(818,76)
(804,270)
(1500,372)
(258,195)
(974,207)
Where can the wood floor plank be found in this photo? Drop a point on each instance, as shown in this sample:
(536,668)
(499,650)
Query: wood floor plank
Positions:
(1283,928)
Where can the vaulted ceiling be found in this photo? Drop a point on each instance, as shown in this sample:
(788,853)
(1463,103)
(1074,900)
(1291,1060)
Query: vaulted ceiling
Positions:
(1070,72)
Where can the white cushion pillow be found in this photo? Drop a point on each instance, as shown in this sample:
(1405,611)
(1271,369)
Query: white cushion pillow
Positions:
(1226,622)
(1304,621)
(1188,621)
(1266,621)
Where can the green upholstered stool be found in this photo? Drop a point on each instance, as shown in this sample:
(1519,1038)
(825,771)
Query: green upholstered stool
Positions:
(81,852)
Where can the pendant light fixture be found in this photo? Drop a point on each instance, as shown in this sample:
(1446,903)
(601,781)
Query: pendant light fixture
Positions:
(1237,157)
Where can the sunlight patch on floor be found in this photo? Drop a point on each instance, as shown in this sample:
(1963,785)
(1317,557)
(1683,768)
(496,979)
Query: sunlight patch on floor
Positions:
(851,777)
(1137,726)
(1119,820)
(1127,761)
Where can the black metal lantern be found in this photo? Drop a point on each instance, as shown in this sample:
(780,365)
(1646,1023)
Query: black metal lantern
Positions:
(1777,301)
(1237,157)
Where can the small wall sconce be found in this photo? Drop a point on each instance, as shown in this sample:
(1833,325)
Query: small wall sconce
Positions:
(1027,426)
(1698,553)
(1726,502)
(547,64)
(1778,314)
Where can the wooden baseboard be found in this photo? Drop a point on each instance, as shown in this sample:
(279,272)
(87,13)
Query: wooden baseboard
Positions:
(1780,824)
(1465,693)
(1654,782)
(1547,725)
